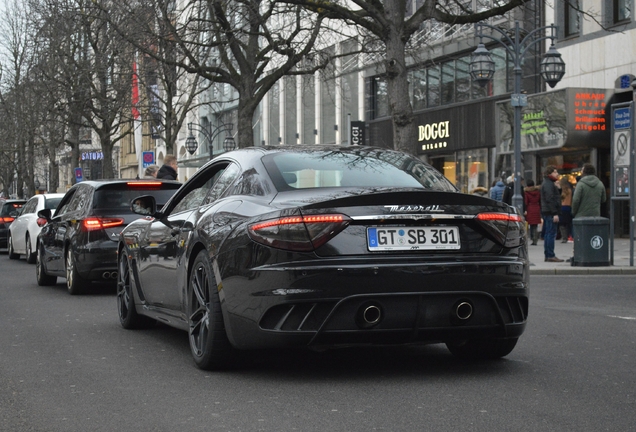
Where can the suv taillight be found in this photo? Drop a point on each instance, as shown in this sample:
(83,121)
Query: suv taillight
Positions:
(99,223)
(7,219)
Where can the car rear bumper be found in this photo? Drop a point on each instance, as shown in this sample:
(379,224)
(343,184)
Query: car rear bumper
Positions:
(98,261)
(325,306)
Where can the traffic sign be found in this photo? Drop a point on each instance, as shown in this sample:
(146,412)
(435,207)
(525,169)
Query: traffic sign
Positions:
(148,158)
(622,118)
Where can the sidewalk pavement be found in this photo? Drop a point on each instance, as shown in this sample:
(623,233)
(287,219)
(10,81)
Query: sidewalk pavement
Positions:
(538,266)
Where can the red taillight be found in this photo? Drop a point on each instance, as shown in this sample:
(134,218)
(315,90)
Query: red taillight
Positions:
(7,219)
(299,233)
(41,222)
(506,217)
(95,223)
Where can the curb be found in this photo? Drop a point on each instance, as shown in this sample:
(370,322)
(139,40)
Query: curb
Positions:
(584,271)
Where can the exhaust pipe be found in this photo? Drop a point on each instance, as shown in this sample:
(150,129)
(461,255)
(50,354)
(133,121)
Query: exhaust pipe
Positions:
(109,275)
(369,315)
(463,310)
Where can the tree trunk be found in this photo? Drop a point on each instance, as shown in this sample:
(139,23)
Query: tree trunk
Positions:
(400,108)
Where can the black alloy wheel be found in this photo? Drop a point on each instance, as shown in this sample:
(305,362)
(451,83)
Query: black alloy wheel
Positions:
(73,280)
(482,349)
(40,272)
(30,256)
(209,344)
(128,316)
(10,251)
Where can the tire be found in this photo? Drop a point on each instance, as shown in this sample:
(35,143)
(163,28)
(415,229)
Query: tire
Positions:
(40,272)
(10,251)
(482,349)
(73,279)
(209,344)
(128,316)
(30,256)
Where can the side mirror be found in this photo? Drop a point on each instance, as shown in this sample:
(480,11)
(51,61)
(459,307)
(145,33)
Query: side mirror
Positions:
(145,205)
(45,214)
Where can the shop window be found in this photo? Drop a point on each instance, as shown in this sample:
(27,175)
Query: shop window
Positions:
(472,170)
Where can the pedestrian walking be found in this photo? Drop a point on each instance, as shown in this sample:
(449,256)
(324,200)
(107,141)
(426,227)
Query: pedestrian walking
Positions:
(589,194)
(497,191)
(151,172)
(169,169)
(509,192)
(532,202)
(550,211)
(480,191)
(565,221)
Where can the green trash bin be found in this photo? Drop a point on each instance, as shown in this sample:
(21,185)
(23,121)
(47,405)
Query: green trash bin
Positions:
(591,241)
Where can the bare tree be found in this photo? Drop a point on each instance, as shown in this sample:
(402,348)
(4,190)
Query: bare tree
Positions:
(393,27)
(248,44)
(18,148)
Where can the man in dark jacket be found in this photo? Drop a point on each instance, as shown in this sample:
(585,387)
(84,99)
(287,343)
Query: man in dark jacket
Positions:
(550,210)
(169,169)
(589,194)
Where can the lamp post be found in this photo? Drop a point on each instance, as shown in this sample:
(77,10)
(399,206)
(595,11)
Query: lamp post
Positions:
(482,69)
(210,134)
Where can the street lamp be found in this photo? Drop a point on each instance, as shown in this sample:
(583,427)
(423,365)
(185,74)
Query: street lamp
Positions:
(482,69)
(210,134)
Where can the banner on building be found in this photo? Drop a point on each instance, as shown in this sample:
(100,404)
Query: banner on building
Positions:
(357,133)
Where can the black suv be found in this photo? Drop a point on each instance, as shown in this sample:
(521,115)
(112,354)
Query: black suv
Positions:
(9,210)
(80,242)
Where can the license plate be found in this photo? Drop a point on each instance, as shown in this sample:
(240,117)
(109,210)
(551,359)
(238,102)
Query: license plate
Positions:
(413,238)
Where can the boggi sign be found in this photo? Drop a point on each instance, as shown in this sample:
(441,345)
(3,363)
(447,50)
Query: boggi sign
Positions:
(432,132)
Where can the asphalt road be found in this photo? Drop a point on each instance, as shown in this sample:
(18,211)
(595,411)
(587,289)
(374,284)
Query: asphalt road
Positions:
(67,365)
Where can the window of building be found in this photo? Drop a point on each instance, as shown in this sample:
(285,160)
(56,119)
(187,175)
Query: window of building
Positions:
(571,18)
(381,97)
(433,87)
(328,106)
(274,115)
(621,11)
(290,110)
(308,109)
(349,102)
(448,82)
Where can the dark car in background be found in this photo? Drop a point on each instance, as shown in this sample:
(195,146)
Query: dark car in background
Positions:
(80,241)
(9,210)
(325,247)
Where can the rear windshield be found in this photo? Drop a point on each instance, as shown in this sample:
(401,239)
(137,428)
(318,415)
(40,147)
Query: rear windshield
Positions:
(120,199)
(52,203)
(11,209)
(378,168)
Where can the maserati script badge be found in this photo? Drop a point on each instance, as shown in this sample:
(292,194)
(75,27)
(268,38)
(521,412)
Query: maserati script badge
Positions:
(414,208)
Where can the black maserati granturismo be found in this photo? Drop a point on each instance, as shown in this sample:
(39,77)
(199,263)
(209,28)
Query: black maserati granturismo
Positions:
(321,247)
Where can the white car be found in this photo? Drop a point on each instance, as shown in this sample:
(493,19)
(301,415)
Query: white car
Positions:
(24,230)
